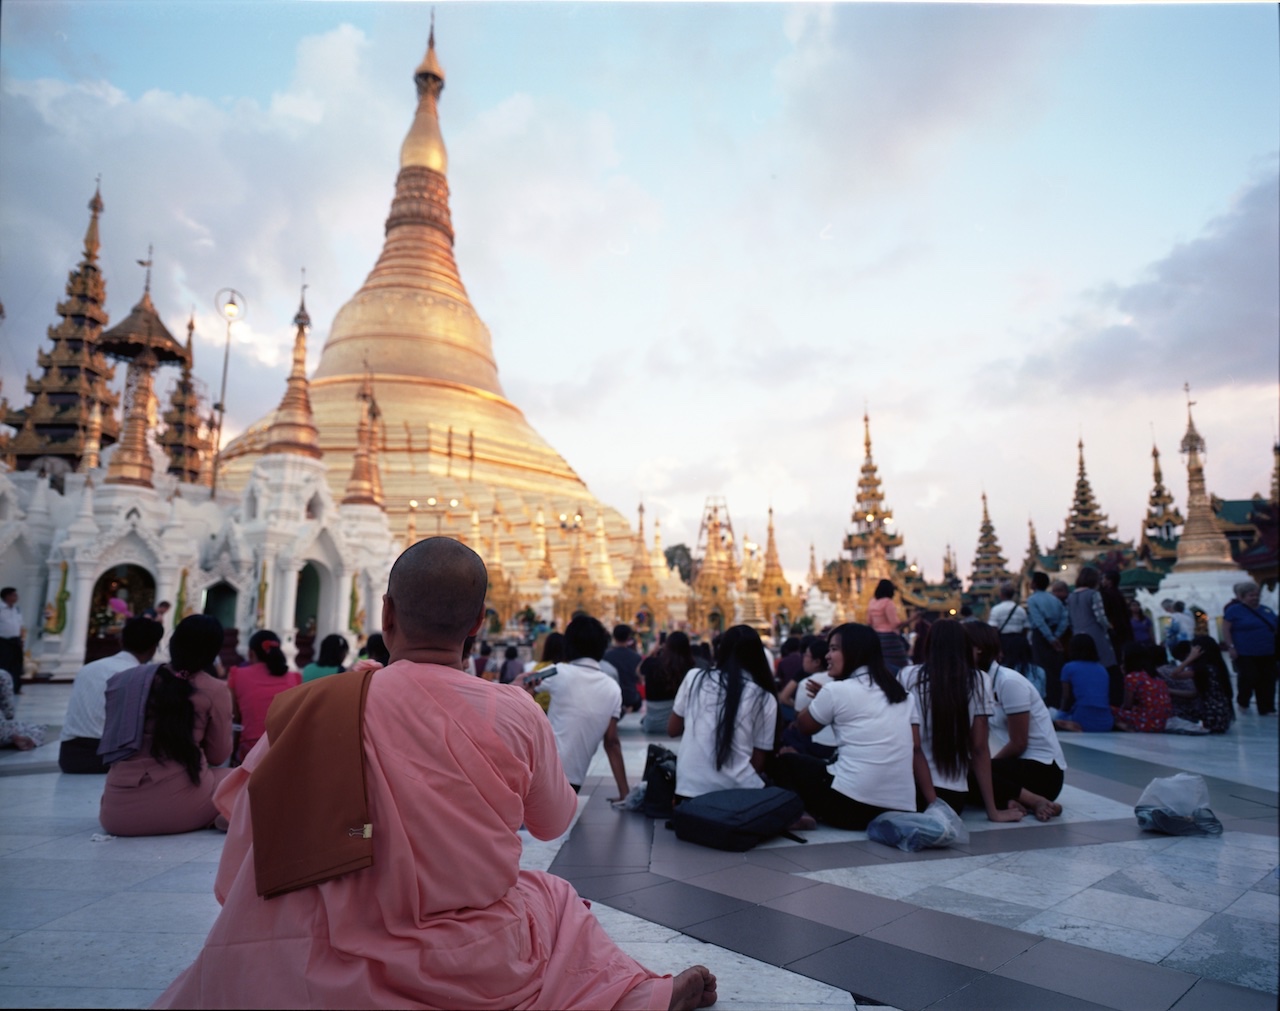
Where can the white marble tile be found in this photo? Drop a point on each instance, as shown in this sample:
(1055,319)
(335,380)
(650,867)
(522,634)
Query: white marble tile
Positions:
(1183,868)
(1040,891)
(1150,883)
(1081,805)
(195,877)
(143,913)
(624,927)
(160,849)
(1070,869)
(1139,944)
(17,843)
(1218,850)
(899,880)
(29,908)
(1134,913)
(1256,906)
(100,959)
(76,996)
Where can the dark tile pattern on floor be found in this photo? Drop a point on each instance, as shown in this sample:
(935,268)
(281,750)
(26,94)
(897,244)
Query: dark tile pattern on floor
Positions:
(1111,980)
(995,993)
(885,972)
(768,934)
(1215,995)
(977,945)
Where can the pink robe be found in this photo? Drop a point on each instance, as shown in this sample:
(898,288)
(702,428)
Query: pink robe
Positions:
(444,918)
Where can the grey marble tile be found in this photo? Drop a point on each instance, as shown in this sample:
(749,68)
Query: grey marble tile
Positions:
(28,908)
(102,959)
(886,973)
(624,927)
(1137,944)
(1068,867)
(900,880)
(71,875)
(1038,891)
(169,849)
(194,877)
(954,938)
(14,844)
(1269,883)
(1214,995)
(1255,905)
(995,993)
(1149,883)
(1232,949)
(1096,976)
(1185,868)
(975,907)
(757,884)
(145,913)
(767,934)
(842,908)
(1134,913)
(676,904)
(1220,850)
(77,997)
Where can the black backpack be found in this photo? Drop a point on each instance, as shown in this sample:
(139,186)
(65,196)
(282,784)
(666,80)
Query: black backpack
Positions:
(737,820)
(659,782)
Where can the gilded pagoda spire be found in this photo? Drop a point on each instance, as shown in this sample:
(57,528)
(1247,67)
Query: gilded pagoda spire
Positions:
(814,575)
(75,374)
(1202,546)
(641,600)
(776,598)
(1086,525)
(183,437)
(93,441)
(872,520)
(293,428)
(364,486)
(989,565)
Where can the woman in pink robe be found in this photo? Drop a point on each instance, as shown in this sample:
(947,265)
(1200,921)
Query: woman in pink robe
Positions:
(445,917)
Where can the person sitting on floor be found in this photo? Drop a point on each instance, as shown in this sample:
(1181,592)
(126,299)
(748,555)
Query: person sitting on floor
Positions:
(254,685)
(373,857)
(663,673)
(798,694)
(586,704)
(728,716)
(15,733)
(167,728)
(87,707)
(1085,686)
(1028,766)
(1147,706)
(333,654)
(870,716)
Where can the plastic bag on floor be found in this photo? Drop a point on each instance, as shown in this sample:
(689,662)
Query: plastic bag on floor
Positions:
(935,827)
(1177,805)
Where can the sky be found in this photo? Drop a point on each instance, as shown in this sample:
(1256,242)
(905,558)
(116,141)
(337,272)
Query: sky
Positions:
(706,237)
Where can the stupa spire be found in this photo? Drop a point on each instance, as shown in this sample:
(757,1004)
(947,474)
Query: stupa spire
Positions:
(362,489)
(75,374)
(183,437)
(989,565)
(293,427)
(873,538)
(1086,524)
(1202,546)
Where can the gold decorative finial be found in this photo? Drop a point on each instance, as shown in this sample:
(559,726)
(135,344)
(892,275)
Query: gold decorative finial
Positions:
(146,288)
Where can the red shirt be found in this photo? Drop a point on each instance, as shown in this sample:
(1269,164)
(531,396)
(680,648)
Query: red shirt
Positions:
(253,687)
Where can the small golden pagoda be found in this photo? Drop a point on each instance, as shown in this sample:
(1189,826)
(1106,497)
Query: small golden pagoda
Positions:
(873,541)
(1086,534)
(185,437)
(143,341)
(989,565)
(1160,527)
(578,592)
(779,602)
(56,430)
(1202,546)
(363,486)
(446,429)
(713,604)
(291,428)
(501,598)
(641,602)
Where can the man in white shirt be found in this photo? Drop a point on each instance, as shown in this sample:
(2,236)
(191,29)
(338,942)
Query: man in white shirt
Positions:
(1009,618)
(586,704)
(87,708)
(11,631)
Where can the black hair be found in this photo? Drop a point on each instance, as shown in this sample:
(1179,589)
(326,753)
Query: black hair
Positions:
(1088,578)
(621,633)
(739,656)
(265,645)
(333,650)
(1134,657)
(553,648)
(141,635)
(1040,581)
(884,588)
(1082,647)
(1210,666)
(511,653)
(585,638)
(816,647)
(6,591)
(194,646)
(674,661)
(860,645)
(1180,650)
(947,681)
(375,648)
(985,640)
(792,645)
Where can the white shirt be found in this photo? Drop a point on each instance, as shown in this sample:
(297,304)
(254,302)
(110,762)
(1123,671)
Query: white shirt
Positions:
(87,707)
(698,702)
(980,704)
(583,701)
(1013,693)
(1017,624)
(873,764)
(10,621)
(826,736)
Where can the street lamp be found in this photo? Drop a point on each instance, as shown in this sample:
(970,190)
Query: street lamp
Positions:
(438,510)
(411,528)
(231,307)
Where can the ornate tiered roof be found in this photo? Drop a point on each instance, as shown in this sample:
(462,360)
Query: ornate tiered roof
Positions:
(989,565)
(293,427)
(1162,523)
(186,437)
(57,423)
(1087,532)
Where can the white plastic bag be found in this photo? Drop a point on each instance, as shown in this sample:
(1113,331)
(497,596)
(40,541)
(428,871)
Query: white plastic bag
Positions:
(1177,805)
(935,827)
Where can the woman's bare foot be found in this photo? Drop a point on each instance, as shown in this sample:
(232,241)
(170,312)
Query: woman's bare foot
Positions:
(1049,809)
(693,988)
(22,742)
(805,823)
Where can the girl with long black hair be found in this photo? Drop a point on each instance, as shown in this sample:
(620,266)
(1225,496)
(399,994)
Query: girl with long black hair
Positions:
(728,716)
(954,703)
(870,713)
(663,673)
(254,685)
(166,726)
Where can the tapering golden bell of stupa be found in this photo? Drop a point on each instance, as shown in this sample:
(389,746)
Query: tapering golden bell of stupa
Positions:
(446,427)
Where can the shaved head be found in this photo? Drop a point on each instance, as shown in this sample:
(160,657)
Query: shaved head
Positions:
(437,589)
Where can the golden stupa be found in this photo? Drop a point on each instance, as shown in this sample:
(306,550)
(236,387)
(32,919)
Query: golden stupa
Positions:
(445,431)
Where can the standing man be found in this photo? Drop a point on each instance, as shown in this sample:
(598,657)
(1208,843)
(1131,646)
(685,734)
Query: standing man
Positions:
(586,705)
(1048,620)
(11,633)
(1249,633)
(1009,619)
(87,707)
(626,661)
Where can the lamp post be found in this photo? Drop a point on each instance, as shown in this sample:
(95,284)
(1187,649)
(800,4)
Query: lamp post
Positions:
(411,527)
(231,307)
(438,510)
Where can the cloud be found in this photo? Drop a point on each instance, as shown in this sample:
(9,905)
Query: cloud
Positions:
(1208,311)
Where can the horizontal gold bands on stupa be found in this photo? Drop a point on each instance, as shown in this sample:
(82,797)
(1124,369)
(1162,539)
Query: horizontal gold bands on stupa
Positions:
(399,380)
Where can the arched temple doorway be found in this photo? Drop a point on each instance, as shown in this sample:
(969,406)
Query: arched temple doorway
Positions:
(307,611)
(220,601)
(122,592)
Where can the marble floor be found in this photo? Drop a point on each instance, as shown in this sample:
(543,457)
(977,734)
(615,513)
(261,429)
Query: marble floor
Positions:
(1083,912)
